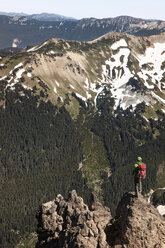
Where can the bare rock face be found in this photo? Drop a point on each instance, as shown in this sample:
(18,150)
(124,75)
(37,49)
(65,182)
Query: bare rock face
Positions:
(137,225)
(70,223)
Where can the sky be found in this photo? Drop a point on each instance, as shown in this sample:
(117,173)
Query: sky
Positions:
(147,9)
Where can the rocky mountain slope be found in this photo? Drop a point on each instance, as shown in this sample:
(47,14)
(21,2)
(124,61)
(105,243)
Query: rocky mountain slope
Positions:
(21,31)
(131,69)
(71,223)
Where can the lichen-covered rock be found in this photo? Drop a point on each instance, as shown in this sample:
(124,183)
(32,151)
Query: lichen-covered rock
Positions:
(70,223)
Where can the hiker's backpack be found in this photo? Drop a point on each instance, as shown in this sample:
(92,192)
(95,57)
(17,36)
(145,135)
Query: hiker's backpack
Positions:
(142,170)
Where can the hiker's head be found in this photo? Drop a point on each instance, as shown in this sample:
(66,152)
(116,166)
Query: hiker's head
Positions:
(139,159)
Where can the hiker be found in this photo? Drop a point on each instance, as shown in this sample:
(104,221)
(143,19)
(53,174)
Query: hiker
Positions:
(139,173)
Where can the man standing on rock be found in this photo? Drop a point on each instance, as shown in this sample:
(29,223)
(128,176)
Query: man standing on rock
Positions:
(139,173)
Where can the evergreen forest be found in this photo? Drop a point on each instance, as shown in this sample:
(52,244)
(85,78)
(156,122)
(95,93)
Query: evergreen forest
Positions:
(41,148)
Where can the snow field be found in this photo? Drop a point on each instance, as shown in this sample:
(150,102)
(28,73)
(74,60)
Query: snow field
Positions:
(154,56)
(116,73)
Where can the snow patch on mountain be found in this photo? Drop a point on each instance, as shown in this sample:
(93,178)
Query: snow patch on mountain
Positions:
(52,52)
(72,86)
(120,43)
(26,87)
(88,95)
(3,78)
(12,85)
(81,97)
(151,63)
(57,84)
(90,86)
(16,42)
(19,73)
(19,65)
(55,90)
(10,80)
(161,209)
(98,92)
(151,87)
(35,48)
(87,86)
(29,74)
(116,73)
(158,97)
(86,83)
(125,97)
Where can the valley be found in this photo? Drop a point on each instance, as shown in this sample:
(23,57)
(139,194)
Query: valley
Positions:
(75,115)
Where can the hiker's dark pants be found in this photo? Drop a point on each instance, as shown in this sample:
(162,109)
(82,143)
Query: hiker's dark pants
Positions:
(138,186)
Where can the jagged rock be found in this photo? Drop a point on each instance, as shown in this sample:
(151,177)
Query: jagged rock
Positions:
(137,225)
(70,223)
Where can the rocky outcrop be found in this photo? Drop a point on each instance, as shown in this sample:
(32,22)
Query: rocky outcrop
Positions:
(137,225)
(70,223)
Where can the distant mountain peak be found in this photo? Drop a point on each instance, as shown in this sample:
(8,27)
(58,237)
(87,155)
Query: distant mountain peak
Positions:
(41,16)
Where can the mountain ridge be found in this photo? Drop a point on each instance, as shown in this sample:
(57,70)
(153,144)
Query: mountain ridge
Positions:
(31,32)
(41,16)
(120,62)
(46,13)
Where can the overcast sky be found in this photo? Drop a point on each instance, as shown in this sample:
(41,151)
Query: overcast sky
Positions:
(148,9)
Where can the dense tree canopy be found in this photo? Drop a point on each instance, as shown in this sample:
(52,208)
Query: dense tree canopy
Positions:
(41,147)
